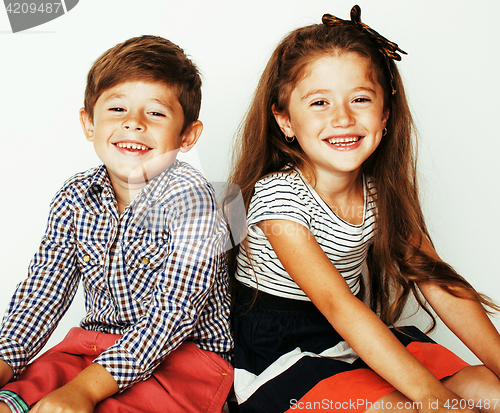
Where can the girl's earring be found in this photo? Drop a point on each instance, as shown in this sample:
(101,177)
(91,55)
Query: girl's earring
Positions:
(384,132)
(289,139)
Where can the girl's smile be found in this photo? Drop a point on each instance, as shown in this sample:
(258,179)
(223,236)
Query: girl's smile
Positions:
(345,142)
(336,112)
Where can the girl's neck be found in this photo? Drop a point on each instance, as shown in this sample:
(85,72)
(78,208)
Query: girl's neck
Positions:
(335,185)
(342,192)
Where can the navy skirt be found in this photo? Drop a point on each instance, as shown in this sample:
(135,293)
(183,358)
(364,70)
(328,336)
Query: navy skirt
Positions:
(288,357)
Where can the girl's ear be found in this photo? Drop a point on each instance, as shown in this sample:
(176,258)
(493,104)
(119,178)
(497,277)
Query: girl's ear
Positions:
(87,125)
(385,117)
(283,121)
(191,136)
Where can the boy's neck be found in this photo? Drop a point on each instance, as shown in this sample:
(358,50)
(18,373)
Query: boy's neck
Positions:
(125,192)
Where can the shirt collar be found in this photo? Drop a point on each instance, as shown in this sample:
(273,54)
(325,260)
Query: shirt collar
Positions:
(100,191)
(155,188)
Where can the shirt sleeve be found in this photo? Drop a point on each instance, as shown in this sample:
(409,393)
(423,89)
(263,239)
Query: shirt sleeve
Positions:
(277,197)
(44,296)
(197,236)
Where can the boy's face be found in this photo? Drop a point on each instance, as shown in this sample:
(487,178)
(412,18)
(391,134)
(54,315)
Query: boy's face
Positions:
(136,130)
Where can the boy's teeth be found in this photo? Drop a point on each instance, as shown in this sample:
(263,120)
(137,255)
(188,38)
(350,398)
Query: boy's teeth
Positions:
(343,141)
(128,145)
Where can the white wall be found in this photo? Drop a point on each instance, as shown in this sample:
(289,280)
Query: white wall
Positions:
(450,73)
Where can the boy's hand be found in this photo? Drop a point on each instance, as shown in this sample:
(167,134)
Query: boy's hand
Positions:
(81,394)
(65,399)
(6,373)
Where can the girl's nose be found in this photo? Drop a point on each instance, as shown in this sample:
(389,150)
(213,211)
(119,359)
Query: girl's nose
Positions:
(342,116)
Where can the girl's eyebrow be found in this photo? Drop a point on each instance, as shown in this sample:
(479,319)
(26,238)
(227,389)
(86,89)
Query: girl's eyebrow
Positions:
(365,88)
(314,92)
(322,91)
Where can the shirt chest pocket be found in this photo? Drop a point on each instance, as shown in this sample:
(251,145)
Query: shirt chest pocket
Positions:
(90,259)
(144,262)
(89,255)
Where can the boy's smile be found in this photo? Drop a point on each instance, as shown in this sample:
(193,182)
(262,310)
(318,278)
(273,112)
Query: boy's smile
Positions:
(137,131)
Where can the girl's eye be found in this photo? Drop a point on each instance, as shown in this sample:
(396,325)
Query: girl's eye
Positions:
(319,103)
(361,100)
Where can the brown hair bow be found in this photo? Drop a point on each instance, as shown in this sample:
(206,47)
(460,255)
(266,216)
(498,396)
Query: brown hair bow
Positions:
(387,48)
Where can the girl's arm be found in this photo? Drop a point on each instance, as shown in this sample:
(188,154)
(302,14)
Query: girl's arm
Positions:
(311,269)
(466,318)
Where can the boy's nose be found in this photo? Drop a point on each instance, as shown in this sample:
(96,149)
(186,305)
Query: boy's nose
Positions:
(134,123)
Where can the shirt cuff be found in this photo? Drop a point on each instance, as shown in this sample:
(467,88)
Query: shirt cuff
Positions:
(121,365)
(14,355)
(14,401)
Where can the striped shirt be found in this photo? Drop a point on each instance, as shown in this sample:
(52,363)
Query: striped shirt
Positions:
(288,196)
(156,274)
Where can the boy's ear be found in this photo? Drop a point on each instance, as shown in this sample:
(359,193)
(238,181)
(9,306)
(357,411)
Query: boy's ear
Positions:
(283,121)
(87,125)
(191,136)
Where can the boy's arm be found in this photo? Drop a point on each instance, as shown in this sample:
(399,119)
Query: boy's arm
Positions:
(81,394)
(6,373)
(44,296)
(196,235)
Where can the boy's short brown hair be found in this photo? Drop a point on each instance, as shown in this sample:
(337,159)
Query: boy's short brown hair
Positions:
(149,58)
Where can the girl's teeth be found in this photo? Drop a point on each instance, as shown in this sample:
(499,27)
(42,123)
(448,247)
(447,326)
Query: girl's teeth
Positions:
(343,141)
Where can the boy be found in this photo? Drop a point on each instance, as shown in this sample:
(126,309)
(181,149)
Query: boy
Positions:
(144,235)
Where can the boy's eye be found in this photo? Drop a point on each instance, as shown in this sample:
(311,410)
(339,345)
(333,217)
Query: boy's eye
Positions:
(319,103)
(157,114)
(117,109)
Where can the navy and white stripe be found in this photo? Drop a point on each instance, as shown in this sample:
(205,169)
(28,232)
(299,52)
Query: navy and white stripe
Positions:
(156,274)
(287,195)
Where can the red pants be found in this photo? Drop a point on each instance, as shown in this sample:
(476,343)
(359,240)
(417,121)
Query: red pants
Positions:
(188,380)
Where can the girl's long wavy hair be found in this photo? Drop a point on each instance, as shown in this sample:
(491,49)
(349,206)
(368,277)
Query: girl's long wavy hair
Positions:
(395,262)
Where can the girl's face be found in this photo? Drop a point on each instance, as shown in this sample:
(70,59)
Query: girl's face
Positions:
(336,112)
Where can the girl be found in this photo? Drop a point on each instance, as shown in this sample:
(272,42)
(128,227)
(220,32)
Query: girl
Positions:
(327,172)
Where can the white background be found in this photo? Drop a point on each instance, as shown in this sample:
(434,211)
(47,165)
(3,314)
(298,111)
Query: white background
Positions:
(451,76)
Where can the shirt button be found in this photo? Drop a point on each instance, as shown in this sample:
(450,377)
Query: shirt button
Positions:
(145,260)
(86,258)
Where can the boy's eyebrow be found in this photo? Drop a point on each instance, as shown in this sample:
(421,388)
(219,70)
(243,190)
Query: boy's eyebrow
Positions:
(114,96)
(160,102)
(122,95)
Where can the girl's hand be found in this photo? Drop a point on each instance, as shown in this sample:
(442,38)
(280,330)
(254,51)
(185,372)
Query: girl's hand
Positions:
(66,399)
(445,401)
(440,406)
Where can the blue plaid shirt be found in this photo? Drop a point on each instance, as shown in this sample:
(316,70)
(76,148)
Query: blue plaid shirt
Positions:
(155,274)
